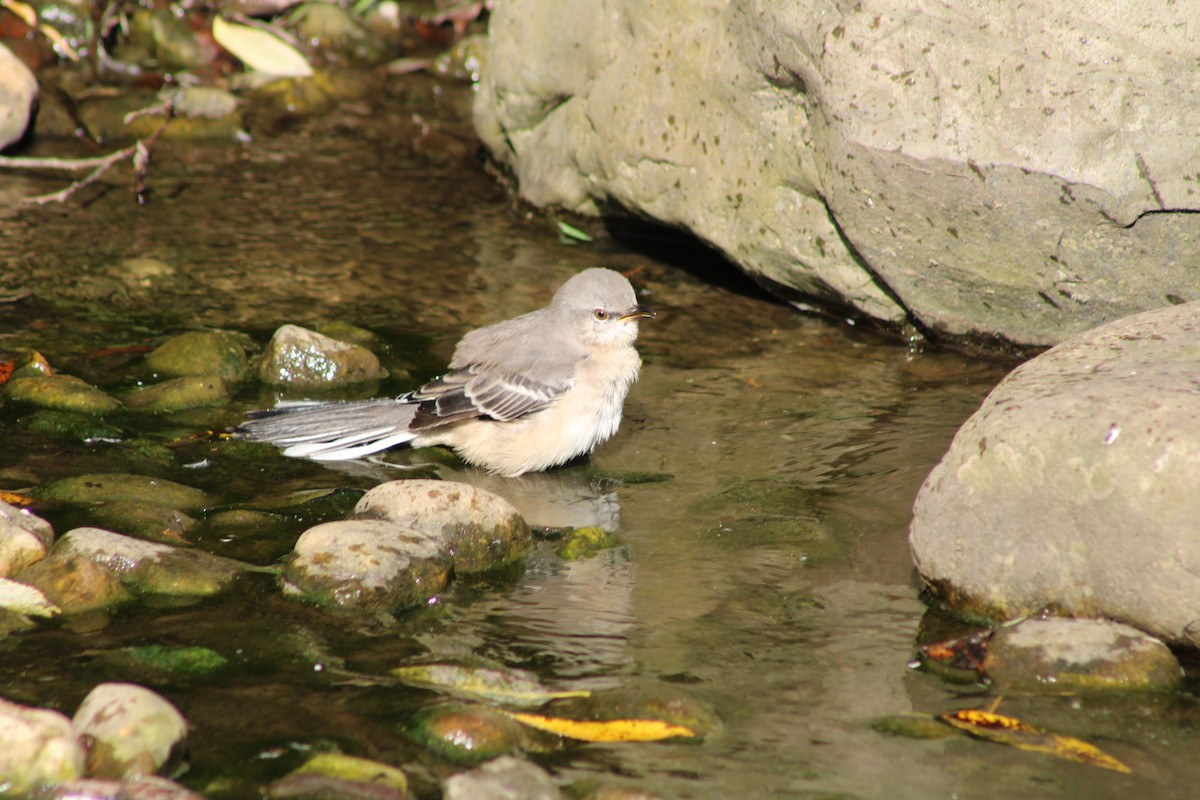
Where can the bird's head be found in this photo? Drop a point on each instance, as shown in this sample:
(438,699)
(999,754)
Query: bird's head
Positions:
(602,306)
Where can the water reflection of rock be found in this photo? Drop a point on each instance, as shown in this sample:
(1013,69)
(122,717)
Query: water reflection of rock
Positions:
(559,499)
(575,614)
(551,500)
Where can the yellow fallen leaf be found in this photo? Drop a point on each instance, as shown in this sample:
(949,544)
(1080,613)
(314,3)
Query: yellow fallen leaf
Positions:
(16,499)
(612,730)
(1022,735)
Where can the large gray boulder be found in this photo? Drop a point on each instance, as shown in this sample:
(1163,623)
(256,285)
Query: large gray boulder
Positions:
(980,171)
(1075,485)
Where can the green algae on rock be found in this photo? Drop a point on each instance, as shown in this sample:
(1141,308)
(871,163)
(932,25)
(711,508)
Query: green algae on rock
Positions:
(339,775)
(178,394)
(1061,655)
(113,487)
(152,568)
(60,392)
(200,353)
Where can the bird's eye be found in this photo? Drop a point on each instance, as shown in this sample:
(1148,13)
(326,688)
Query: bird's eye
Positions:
(600,314)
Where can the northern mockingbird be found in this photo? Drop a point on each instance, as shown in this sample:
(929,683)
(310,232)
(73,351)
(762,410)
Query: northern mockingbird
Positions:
(520,396)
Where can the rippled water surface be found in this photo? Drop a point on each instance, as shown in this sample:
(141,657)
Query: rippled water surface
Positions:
(764,571)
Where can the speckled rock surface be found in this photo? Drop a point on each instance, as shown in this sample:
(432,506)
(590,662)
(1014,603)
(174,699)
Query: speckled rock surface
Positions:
(1074,485)
(990,175)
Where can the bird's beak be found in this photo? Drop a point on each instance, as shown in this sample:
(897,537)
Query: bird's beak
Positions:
(638,312)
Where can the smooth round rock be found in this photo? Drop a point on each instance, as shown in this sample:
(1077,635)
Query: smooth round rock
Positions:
(61,393)
(199,353)
(133,731)
(480,529)
(37,747)
(1062,655)
(296,356)
(148,787)
(74,583)
(24,538)
(151,567)
(117,487)
(366,564)
(1074,486)
(470,734)
(502,778)
(177,394)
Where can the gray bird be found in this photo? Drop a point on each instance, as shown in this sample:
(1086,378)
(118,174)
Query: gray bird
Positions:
(520,396)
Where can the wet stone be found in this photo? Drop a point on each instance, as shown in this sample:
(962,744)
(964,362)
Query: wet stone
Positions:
(161,662)
(1079,655)
(149,787)
(119,487)
(473,734)
(133,731)
(481,530)
(334,775)
(177,394)
(24,538)
(108,117)
(70,425)
(336,30)
(24,599)
(75,584)
(500,779)
(366,564)
(37,747)
(149,567)
(200,353)
(62,393)
(149,521)
(296,356)
(162,36)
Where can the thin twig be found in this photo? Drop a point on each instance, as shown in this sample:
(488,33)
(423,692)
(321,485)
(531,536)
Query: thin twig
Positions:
(139,151)
(65,164)
(92,177)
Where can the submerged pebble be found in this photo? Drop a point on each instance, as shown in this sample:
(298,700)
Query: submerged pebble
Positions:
(149,787)
(504,777)
(333,776)
(177,394)
(473,734)
(200,353)
(116,487)
(1072,655)
(70,425)
(62,393)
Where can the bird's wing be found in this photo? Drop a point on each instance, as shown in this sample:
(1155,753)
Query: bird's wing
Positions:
(478,391)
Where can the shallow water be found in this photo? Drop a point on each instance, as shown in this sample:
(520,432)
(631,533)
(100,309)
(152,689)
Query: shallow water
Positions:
(764,572)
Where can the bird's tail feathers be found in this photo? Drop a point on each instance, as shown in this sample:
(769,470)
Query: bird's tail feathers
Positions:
(333,431)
